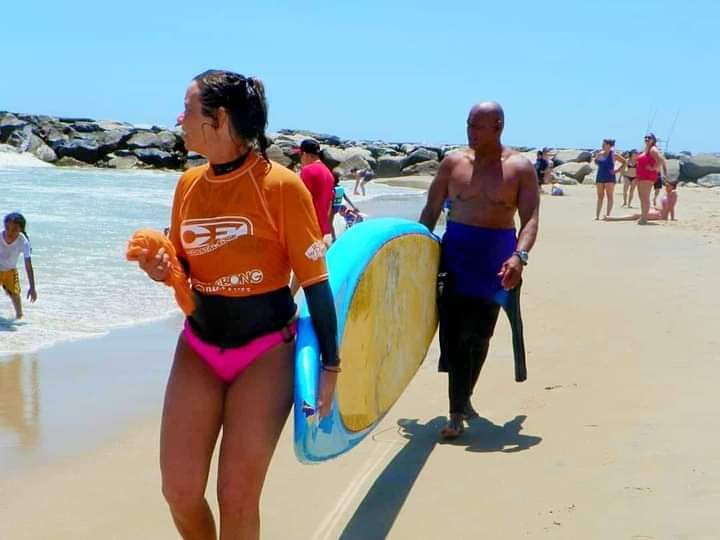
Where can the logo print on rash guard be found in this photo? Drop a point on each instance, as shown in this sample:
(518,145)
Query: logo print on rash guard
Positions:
(316,251)
(201,236)
(240,282)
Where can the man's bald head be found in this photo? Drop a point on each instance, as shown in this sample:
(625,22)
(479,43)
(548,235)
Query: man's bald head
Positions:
(488,110)
(485,123)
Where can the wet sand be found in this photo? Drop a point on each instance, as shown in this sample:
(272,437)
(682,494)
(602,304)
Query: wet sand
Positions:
(612,436)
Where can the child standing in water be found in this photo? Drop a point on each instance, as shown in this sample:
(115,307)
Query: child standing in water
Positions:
(14,241)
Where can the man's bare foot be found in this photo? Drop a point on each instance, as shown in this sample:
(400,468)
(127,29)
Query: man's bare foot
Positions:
(469,413)
(454,428)
(642,222)
(18,316)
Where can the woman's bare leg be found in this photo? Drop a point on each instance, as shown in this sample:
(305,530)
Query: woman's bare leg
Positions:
(600,189)
(190,425)
(626,186)
(644,189)
(256,407)
(610,195)
(633,184)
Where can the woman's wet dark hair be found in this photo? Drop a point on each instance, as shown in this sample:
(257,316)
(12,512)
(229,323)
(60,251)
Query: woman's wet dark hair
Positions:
(18,219)
(611,142)
(243,98)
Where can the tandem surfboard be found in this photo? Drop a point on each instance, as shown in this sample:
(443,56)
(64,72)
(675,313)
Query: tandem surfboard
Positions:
(383,277)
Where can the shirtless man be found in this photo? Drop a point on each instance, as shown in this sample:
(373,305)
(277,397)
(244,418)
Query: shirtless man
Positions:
(481,254)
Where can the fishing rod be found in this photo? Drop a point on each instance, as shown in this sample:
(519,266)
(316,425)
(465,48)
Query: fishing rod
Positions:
(672,128)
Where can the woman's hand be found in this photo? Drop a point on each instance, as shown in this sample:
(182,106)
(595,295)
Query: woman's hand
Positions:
(32,294)
(157,267)
(328,379)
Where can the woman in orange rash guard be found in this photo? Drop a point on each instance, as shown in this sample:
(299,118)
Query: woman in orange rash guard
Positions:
(239,226)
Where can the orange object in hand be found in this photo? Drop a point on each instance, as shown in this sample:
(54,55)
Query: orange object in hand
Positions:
(152,241)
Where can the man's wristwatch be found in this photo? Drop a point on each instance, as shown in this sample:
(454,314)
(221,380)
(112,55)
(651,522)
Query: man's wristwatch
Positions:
(523,256)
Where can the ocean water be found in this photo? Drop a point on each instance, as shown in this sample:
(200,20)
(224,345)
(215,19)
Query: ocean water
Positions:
(79,222)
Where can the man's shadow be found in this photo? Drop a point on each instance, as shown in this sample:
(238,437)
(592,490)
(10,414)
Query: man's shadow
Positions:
(383,502)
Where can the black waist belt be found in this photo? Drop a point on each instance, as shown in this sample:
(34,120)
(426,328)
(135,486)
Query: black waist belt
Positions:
(234,321)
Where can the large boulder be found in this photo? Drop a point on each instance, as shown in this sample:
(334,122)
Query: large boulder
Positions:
(300,135)
(41,150)
(71,162)
(85,127)
(335,156)
(425,168)
(354,162)
(276,153)
(123,162)
(85,150)
(109,141)
(389,166)
(195,160)
(710,180)
(164,140)
(157,157)
(673,169)
(573,156)
(419,155)
(694,167)
(8,124)
(576,171)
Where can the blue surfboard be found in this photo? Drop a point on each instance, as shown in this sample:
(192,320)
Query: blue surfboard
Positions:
(383,278)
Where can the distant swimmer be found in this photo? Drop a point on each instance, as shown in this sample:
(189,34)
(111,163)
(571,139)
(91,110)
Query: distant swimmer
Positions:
(239,225)
(14,242)
(482,258)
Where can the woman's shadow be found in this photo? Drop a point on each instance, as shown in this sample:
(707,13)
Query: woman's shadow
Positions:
(380,507)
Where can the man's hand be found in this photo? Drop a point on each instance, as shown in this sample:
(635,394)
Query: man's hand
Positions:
(511,273)
(32,294)
(328,379)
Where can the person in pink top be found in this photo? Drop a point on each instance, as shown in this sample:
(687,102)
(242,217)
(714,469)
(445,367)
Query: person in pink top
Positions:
(319,180)
(649,163)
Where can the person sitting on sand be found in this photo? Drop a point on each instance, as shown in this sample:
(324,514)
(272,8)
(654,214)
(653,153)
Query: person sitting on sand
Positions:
(352,216)
(14,242)
(543,167)
(667,207)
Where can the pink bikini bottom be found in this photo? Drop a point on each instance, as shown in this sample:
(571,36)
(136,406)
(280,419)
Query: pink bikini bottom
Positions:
(229,363)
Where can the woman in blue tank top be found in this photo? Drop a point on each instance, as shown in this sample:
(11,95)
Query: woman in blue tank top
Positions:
(605,180)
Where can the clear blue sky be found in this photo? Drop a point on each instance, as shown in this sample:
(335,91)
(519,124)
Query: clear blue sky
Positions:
(568,73)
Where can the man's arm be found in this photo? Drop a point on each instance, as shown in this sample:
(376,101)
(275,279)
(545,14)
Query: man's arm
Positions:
(437,193)
(528,207)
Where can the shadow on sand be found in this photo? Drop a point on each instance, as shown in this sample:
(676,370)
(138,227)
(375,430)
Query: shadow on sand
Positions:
(378,511)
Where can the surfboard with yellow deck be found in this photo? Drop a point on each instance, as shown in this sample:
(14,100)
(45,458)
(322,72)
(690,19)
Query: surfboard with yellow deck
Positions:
(383,277)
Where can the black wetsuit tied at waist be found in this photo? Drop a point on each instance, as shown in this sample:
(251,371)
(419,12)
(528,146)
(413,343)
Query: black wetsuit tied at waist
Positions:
(229,322)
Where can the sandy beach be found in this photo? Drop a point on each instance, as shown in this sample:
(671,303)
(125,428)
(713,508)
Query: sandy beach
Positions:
(611,436)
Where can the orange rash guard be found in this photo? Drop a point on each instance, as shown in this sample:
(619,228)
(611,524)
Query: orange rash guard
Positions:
(243,232)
